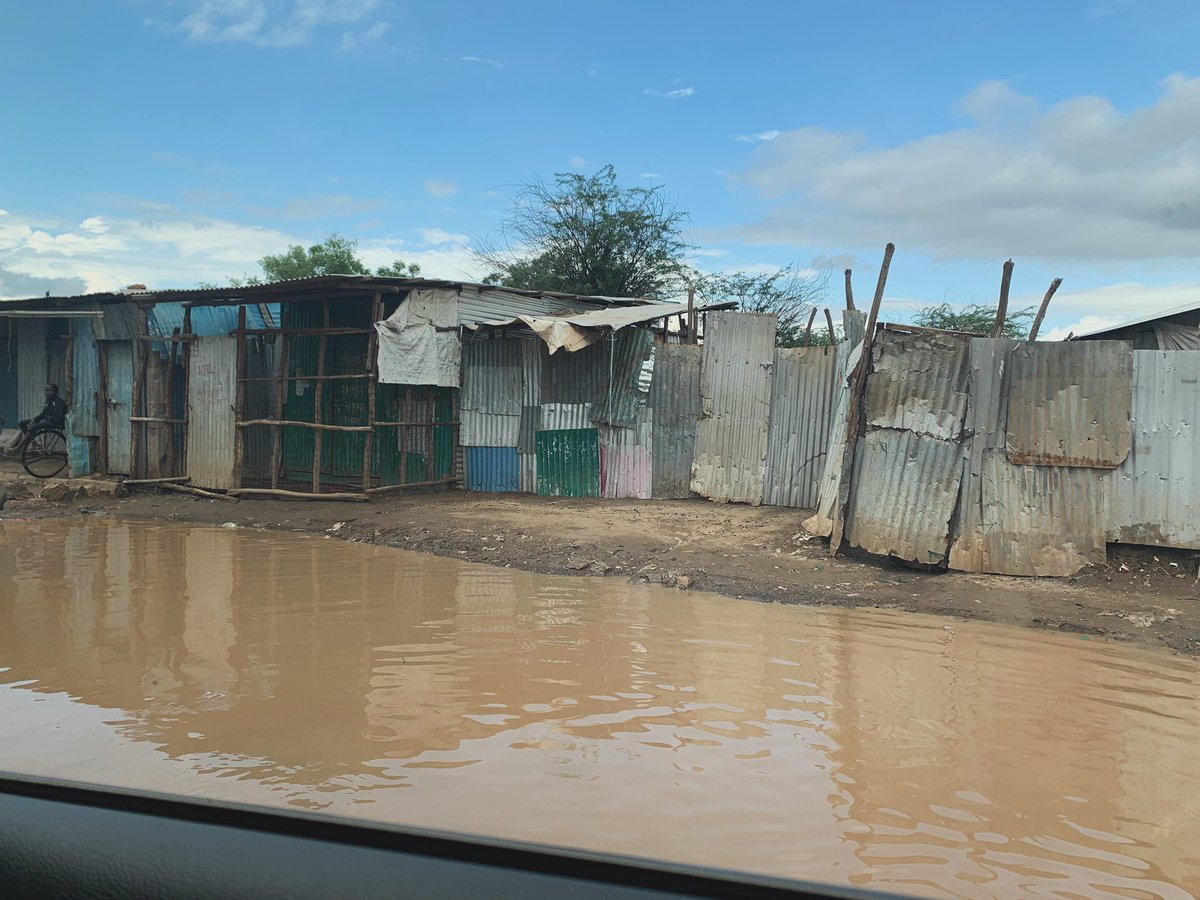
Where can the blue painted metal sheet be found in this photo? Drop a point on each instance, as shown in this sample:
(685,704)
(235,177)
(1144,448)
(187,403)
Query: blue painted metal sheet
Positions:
(8,374)
(493,469)
(120,402)
(85,392)
(79,451)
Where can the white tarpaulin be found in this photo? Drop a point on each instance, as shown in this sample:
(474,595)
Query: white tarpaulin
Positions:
(412,350)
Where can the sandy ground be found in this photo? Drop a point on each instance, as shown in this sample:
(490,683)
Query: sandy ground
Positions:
(760,553)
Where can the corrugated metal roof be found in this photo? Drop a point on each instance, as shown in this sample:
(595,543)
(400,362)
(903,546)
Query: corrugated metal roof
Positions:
(500,308)
(803,396)
(675,401)
(1154,496)
(617,317)
(481,429)
(493,469)
(918,383)
(1165,314)
(735,391)
(1019,520)
(568,463)
(905,491)
(1069,404)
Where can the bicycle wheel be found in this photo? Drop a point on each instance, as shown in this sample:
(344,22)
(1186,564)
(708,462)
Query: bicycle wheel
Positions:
(45,454)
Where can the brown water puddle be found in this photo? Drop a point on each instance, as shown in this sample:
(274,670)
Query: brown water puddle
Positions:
(872,748)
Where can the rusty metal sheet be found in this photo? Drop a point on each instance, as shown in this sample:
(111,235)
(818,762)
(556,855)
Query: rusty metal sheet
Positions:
(1069,404)
(904,496)
(675,401)
(918,383)
(1013,519)
(803,397)
(1154,496)
(735,392)
(211,388)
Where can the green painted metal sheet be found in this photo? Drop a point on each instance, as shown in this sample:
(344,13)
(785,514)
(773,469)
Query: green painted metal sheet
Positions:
(568,463)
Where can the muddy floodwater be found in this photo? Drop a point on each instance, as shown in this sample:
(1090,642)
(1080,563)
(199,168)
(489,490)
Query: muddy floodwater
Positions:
(872,748)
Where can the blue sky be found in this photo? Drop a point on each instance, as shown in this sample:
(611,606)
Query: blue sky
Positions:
(175,142)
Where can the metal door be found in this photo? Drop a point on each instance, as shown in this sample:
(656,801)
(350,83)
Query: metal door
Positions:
(119,357)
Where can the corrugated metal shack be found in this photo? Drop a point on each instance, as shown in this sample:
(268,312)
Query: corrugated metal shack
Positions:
(1174,329)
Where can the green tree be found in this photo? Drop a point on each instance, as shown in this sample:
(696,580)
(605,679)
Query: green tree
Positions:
(586,234)
(336,255)
(975,318)
(788,293)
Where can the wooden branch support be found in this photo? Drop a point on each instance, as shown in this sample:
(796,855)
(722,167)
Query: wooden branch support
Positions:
(195,491)
(317,426)
(186,349)
(157,420)
(1041,313)
(413,422)
(389,488)
(294,495)
(280,398)
(175,338)
(250,379)
(404,434)
(319,399)
(372,387)
(136,482)
(832,334)
(690,336)
(239,403)
(1002,308)
(808,328)
(858,386)
(314,332)
(102,444)
(429,439)
(170,402)
(69,365)
(849,292)
(141,362)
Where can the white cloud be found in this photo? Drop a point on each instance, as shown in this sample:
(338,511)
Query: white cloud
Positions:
(484,61)
(1082,311)
(992,100)
(318,206)
(356,40)
(279,23)
(757,137)
(650,175)
(435,236)
(578,162)
(441,188)
(676,94)
(1077,182)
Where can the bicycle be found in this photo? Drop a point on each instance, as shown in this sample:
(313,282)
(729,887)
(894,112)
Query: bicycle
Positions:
(44,453)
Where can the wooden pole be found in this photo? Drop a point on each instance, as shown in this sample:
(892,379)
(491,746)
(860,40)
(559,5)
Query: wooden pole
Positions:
(187,381)
(69,365)
(429,438)
(239,403)
(319,400)
(408,414)
(1002,308)
(281,387)
(849,292)
(293,495)
(137,430)
(188,489)
(691,316)
(832,334)
(169,412)
(1041,313)
(372,388)
(808,329)
(102,444)
(858,385)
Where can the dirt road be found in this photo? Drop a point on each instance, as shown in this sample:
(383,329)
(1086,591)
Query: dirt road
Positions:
(1150,597)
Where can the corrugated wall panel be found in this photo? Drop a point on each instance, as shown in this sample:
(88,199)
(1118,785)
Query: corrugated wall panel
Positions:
(854,324)
(1154,496)
(830,481)
(563,416)
(735,391)
(631,348)
(33,361)
(626,458)
(568,463)
(675,401)
(803,396)
(1069,404)
(531,424)
(85,395)
(579,377)
(528,464)
(918,383)
(119,369)
(533,355)
(493,469)
(905,491)
(211,389)
(1013,519)
(492,377)
(481,429)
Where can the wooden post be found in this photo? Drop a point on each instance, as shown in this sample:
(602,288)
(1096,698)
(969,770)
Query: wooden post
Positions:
(239,402)
(1041,313)
(372,387)
(408,414)
(858,385)
(808,329)
(187,380)
(832,334)
(102,409)
(138,429)
(169,412)
(319,400)
(455,453)
(691,316)
(69,365)
(1002,308)
(281,383)
(429,436)
(849,292)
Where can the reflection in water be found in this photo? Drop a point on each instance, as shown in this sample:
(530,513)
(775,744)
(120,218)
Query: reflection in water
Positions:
(869,748)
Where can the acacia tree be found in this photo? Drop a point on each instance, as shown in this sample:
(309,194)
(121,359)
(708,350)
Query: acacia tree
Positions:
(336,255)
(585,234)
(788,294)
(976,318)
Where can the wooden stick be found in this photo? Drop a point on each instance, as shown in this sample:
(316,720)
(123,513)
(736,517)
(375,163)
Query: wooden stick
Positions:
(410,422)
(832,334)
(303,331)
(849,292)
(157,420)
(187,381)
(69,364)
(139,481)
(250,379)
(174,338)
(239,403)
(388,488)
(808,330)
(858,386)
(318,401)
(317,426)
(102,444)
(170,402)
(1041,313)
(1002,309)
(141,361)
(295,495)
(199,492)
(691,316)
(280,398)
(372,386)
